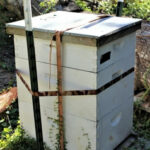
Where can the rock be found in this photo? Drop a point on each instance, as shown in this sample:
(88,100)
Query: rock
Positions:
(127,142)
(13,6)
(70,6)
(36,9)
(16,7)
(64,2)
(7,98)
(142,55)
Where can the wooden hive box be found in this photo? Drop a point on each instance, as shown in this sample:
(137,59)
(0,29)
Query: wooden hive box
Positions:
(96,55)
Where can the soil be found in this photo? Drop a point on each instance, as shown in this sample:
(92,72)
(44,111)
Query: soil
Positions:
(7,79)
(7,62)
(7,65)
(142,55)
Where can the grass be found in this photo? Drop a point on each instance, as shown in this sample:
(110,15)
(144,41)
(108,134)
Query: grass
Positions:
(141,122)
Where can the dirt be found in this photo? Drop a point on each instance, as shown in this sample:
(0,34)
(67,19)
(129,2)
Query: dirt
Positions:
(7,62)
(7,79)
(142,55)
(7,65)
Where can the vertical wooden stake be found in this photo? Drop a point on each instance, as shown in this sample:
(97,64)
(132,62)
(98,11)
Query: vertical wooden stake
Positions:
(33,73)
(60,99)
(119,7)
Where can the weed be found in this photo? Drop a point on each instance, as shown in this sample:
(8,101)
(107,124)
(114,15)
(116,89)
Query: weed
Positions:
(48,5)
(141,121)
(9,118)
(17,139)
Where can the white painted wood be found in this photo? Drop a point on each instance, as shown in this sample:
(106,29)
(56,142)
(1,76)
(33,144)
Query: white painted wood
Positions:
(26,117)
(74,104)
(80,133)
(115,127)
(78,130)
(50,126)
(72,54)
(20,46)
(75,79)
(114,70)
(72,79)
(114,96)
(120,48)
(97,122)
(77,56)
(55,21)
(28,14)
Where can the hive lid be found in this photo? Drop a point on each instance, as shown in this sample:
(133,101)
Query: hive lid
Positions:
(61,20)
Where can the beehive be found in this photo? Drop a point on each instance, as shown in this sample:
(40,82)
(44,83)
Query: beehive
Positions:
(93,56)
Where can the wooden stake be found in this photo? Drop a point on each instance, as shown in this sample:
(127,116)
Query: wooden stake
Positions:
(33,73)
(119,7)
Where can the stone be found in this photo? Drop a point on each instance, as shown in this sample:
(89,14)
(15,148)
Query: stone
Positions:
(142,55)
(71,6)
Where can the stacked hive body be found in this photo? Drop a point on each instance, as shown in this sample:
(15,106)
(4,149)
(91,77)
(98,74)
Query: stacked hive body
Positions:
(92,55)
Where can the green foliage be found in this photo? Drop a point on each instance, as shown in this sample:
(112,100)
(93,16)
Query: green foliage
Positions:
(141,120)
(83,5)
(107,7)
(134,8)
(3,19)
(138,144)
(17,139)
(9,118)
(146,95)
(6,66)
(141,127)
(137,9)
(12,136)
(48,5)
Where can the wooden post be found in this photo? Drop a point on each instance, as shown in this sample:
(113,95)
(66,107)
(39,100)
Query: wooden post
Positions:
(33,73)
(119,7)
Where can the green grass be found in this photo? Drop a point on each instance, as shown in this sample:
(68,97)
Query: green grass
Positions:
(132,8)
(17,140)
(141,121)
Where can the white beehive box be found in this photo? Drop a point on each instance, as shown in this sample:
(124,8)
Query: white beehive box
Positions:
(92,55)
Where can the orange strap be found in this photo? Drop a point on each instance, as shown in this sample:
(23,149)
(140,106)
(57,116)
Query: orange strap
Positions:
(59,83)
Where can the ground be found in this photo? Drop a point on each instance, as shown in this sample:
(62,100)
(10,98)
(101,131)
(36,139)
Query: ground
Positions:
(7,75)
(7,79)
